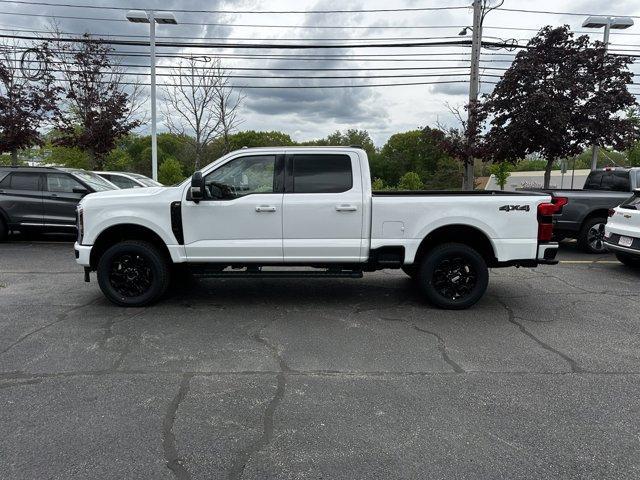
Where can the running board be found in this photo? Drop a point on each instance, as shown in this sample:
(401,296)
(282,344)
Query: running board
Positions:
(277,274)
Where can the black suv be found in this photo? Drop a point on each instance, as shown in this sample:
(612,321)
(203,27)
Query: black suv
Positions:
(44,198)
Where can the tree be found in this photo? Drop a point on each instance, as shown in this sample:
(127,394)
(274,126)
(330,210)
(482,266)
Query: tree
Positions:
(560,95)
(416,151)
(410,181)
(348,138)
(98,110)
(377,185)
(502,171)
(249,139)
(170,172)
(202,105)
(25,103)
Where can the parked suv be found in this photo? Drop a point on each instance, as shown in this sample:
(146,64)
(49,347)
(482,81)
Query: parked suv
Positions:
(129,180)
(44,198)
(622,232)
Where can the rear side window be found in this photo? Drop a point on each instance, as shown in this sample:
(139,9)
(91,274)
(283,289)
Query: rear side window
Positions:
(322,173)
(613,180)
(21,181)
(632,203)
(122,182)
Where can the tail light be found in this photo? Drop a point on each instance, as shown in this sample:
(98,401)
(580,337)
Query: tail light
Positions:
(611,212)
(559,202)
(545,220)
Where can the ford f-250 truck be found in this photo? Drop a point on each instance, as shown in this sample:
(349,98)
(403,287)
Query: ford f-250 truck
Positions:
(256,209)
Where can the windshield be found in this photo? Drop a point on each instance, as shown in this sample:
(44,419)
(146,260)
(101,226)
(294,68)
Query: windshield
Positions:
(96,182)
(146,180)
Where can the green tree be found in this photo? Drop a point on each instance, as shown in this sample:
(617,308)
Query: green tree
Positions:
(118,160)
(247,138)
(348,138)
(71,157)
(502,171)
(170,172)
(378,185)
(410,181)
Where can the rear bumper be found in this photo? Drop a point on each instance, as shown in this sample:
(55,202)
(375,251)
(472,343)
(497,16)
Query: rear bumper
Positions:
(547,253)
(83,254)
(612,247)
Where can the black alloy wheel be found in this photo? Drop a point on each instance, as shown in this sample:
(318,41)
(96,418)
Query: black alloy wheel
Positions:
(133,273)
(453,276)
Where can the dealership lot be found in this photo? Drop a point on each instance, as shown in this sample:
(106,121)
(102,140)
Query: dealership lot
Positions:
(320,378)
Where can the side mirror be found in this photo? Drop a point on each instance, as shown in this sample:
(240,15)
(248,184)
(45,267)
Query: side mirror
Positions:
(197,187)
(80,190)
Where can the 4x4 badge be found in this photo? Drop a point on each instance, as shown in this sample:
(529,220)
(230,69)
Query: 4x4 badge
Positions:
(509,208)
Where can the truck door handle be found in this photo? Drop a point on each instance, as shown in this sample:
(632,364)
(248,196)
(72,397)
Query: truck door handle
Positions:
(346,208)
(265,208)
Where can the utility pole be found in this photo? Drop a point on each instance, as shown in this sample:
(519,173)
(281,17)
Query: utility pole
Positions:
(468,181)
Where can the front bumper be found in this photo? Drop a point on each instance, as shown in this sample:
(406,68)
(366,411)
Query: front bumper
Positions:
(547,253)
(83,254)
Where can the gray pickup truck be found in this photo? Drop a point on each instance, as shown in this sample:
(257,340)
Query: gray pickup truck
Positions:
(584,212)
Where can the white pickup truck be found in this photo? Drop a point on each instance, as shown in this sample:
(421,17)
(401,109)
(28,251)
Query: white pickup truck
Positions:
(261,211)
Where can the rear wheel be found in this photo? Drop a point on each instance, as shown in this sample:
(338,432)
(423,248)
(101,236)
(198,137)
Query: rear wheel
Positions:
(628,260)
(591,236)
(133,273)
(453,276)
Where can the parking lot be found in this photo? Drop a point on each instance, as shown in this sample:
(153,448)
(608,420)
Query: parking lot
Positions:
(323,378)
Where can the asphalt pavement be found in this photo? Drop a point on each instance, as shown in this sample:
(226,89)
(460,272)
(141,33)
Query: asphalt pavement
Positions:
(319,378)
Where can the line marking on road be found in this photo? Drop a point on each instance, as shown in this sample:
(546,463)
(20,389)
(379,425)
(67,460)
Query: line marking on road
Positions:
(609,262)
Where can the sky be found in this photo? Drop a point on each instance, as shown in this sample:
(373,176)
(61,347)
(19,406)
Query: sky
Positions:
(313,113)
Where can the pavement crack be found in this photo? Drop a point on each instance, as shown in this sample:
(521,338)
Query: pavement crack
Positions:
(573,365)
(59,318)
(174,462)
(442,348)
(242,458)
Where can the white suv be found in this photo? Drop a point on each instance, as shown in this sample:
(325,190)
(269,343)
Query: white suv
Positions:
(622,232)
(128,180)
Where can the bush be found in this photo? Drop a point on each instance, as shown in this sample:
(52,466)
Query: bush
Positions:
(502,171)
(378,185)
(410,181)
(170,172)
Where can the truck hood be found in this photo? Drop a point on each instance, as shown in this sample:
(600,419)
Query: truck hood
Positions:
(126,192)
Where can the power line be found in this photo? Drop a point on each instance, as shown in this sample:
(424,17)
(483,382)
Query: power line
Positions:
(373,10)
(549,12)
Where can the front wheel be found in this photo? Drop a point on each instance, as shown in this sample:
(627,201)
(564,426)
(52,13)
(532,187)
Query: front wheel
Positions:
(133,273)
(453,276)
(628,260)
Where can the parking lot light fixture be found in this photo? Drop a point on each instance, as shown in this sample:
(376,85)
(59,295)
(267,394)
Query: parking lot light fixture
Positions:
(617,23)
(152,17)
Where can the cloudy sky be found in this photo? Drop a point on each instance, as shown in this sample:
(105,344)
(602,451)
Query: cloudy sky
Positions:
(313,113)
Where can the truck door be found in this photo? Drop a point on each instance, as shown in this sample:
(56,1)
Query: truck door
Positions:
(240,218)
(21,198)
(323,207)
(61,196)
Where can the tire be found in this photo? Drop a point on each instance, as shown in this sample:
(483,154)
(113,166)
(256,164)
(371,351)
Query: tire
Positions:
(440,273)
(4,231)
(411,270)
(591,236)
(133,274)
(628,260)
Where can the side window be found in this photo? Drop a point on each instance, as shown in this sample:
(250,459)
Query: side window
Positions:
(22,181)
(122,182)
(240,177)
(322,173)
(5,180)
(593,181)
(58,182)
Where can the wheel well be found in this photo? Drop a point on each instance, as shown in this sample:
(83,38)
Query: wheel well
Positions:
(604,213)
(121,232)
(465,234)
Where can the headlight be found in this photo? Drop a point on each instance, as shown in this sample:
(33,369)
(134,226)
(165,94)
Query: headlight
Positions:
(80,222)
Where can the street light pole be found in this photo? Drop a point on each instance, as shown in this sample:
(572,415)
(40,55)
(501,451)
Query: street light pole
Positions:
(596,21)
(151,17)
(154,132)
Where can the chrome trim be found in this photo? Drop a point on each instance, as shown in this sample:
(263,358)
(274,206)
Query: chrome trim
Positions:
(28,224)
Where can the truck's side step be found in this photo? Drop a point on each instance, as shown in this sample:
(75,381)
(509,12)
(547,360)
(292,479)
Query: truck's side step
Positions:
(258,272)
